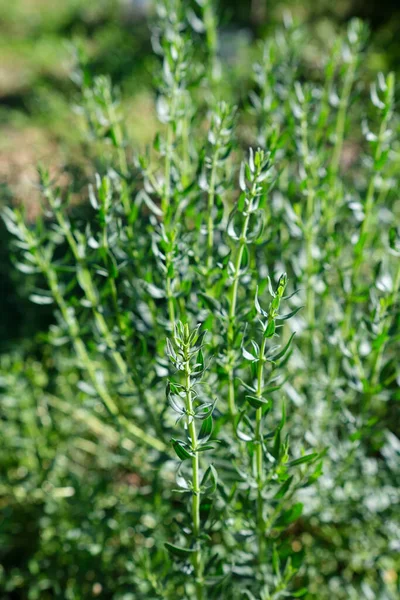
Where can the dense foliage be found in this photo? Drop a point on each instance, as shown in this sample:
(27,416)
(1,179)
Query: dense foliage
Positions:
(211,413)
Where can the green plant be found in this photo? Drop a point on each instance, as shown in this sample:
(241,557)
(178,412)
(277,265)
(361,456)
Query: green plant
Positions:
(175,276)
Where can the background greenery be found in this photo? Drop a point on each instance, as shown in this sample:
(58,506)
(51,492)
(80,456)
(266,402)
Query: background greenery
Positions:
(53,529)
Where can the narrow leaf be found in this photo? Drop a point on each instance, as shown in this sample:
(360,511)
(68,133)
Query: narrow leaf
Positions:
(178,550)
(206,428)
(181,449)
(283,351)
(302,460)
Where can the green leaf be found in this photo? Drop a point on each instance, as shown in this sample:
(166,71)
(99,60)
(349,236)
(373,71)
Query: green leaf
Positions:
(182,449)
(284,488)
(170,352)
(205,410)
(273,388)
(290,315)
(154,291)
(302,460)
(257,401)
(212,476)
(206,428)
(205,447)
(300,593)
(258,305)
(178,550)
(276,450)
(283,351)
(290,515)
(212,304)
(143,196)
(36,299)
(248,356)
(283,418)
(316,473)
(241,202)
(270,329)
(276,563)
(242,181)
(84,278)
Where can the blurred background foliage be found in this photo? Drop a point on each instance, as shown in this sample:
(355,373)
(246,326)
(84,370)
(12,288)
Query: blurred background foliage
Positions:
(38,124)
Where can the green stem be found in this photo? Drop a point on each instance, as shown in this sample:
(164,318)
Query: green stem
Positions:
(232,314)
(309,230)
(196,496)
(238,262)
(341,119)
(231,393)
(118,137)
(166,197)
(327,92)
(369,202)
(330,203)
(365,226)
(259,453)
(211,35)
(170,298)
(210,206)
(186,162)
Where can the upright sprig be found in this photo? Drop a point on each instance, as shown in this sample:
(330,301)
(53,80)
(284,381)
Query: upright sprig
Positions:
(100,107)
(273,77)
(351,55)
(245,227)
(382,97)
(268,320)
(212,180)
(173,108)
(171,250)
(203,20)
(269,478)
(185,351)
(309,177)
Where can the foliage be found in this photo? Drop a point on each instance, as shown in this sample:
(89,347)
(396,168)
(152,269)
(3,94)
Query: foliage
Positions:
(175,438)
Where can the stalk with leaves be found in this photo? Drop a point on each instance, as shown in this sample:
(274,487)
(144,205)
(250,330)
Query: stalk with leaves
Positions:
(244,227)
(186,354)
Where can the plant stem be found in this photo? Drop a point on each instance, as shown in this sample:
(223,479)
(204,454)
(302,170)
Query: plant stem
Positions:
(210,206)
(211,36)
(170,298)
(364,230)
(369,202)
(197,558)
(119,138)
(330,203)
(341,119)
(166,197)
(259,452)
(309,232)
(232,314)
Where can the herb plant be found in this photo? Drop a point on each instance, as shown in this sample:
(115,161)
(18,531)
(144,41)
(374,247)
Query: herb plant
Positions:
(226,451)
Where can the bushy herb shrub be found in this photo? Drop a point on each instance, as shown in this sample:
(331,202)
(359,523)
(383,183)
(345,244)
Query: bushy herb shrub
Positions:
(180,441)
